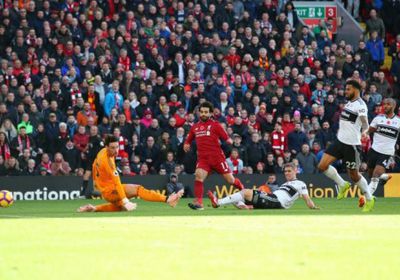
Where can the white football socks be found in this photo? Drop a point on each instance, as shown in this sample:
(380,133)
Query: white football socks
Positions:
(384,176)
(363,185)
(373,185)
(230,199)
(332,173)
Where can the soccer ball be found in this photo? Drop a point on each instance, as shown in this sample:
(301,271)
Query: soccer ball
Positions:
(6,199)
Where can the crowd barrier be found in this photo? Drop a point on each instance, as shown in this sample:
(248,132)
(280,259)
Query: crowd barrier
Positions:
(67,187)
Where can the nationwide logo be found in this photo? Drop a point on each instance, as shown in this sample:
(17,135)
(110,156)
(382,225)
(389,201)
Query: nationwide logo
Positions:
(387,130)
(46,194)
(348,116)
(345,114)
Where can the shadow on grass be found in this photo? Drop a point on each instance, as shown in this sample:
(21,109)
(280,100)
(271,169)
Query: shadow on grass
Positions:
(67,209)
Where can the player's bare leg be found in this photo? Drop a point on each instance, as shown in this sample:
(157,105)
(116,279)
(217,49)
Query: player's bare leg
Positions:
(200,176)
(230,179)
(376,174)
(331,172)
(236,198)
(132,190)
(360,181)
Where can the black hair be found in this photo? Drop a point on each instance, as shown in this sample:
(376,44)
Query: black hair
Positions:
(110,139)
(208,105)
(354,84)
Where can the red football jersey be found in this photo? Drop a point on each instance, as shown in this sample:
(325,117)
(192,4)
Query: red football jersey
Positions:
(207,135)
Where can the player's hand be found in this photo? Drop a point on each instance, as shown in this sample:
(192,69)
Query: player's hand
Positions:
(186,147)
(129,206)
(364,135)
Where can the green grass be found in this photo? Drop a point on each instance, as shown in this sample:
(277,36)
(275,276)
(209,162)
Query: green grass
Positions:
(48,240)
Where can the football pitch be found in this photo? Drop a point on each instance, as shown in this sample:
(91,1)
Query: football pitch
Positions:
(49,240)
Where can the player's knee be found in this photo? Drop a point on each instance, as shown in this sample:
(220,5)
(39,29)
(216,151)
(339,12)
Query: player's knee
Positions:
(230,180)
(199,177)
(322,167)
(355,176)
(247,194)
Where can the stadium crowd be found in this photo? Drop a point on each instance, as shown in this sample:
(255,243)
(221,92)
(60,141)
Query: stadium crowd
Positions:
(72,70)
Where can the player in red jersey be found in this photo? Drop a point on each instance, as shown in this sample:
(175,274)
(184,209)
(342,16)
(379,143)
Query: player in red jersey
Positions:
(207,133)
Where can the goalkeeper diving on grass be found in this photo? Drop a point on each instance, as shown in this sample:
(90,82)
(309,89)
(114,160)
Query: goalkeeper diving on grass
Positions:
(283,198)
(108,182)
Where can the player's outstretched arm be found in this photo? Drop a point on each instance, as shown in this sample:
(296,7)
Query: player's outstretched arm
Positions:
(188,141)
(364,126)
(309,202)
(371,130)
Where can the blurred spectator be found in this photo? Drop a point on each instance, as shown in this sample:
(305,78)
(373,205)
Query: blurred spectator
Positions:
(43,171)
(307,160)
(325,134)
(272,182)
(375,24)
(5,150)
(234,162)
(12,167)
(395,71)
(8,129)
(21,142)
(113,99)
(26,123)
(376,49)
(3,170)
(71,155)
(24,158)
(30,169)
(126,171)
(173,185)
(45,163)
(383,86)
(255,151)
(150,154)
(84,115)
(278,140)
(296,139)
(59,167)
(169,163)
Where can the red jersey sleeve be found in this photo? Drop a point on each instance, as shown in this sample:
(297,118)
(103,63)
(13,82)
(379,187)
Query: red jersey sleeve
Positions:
(190,137)
(221,131)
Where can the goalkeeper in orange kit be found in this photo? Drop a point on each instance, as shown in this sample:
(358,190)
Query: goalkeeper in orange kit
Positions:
(107,180)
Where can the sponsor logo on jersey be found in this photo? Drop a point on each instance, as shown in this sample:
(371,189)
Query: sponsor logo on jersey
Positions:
(387,131)
(289,189)
(349,116)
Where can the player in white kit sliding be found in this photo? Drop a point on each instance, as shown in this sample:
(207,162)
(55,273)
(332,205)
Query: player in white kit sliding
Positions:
(353,125)
(282,198)
(385,129)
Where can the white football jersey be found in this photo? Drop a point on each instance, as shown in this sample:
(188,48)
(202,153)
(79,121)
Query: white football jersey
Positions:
(350,123)
(385,136)
(290,191)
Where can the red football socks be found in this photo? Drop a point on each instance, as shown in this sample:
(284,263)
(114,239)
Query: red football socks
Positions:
(238,184)
(198,191)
